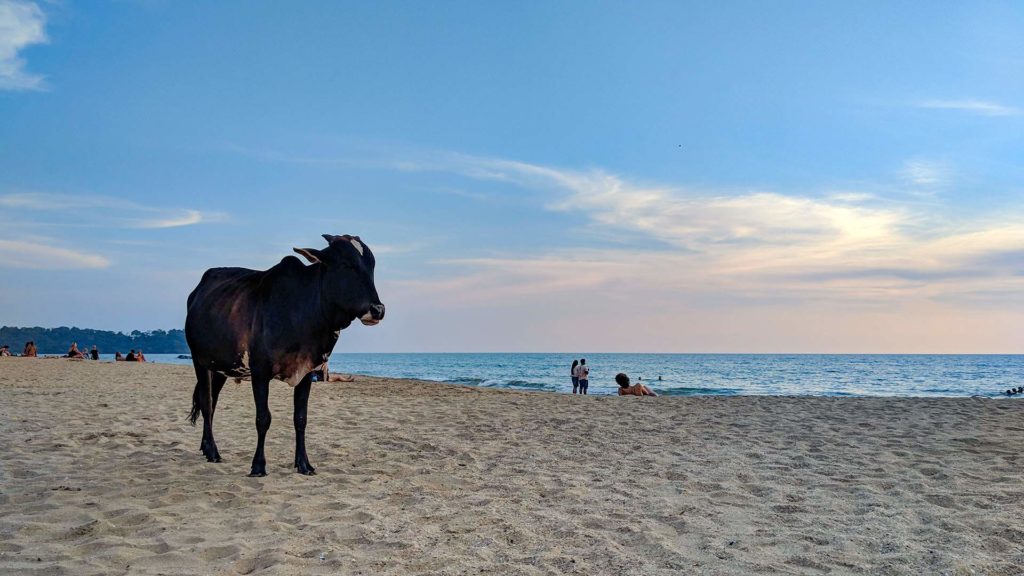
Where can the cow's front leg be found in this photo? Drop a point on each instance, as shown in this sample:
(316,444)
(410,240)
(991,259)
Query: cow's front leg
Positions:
(260,393)
(301,401)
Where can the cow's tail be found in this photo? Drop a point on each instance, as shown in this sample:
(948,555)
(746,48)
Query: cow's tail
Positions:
(193,415)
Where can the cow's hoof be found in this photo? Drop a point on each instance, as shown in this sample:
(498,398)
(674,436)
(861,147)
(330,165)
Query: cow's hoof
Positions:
(210,451)
(255,474)
(307,472)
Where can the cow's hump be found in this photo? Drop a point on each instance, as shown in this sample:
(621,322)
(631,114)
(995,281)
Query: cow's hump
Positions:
(291,262)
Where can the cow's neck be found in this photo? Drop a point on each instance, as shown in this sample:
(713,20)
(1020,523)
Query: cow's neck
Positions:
(329,321)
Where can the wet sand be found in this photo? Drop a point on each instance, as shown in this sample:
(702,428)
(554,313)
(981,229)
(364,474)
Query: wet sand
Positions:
(100,473)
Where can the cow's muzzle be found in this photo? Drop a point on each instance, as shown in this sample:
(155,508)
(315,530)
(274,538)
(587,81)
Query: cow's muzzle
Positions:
(374,316)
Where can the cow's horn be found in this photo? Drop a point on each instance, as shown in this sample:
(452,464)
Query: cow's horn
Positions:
(311,254)
(330,237)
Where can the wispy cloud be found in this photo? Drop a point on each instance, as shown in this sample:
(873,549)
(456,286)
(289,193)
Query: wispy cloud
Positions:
(926,173)
(186,218)
(44,255)
(21,24)
(981,107)
(106,211)
(851,197)
(852,247)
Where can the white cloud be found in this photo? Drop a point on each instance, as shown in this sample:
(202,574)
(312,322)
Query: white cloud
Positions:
(750,245)
(925,173)
(697,220)
(21,24)
(105,211)
(41,255)
(187,218)
(851,197)
(973,106)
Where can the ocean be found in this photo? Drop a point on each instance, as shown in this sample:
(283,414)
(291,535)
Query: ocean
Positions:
(705,374)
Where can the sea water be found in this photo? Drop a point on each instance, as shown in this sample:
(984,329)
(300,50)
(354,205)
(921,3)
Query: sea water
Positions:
(704,374)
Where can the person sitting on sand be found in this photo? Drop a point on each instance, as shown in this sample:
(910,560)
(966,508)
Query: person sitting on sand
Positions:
(131,356)
(5,350)
(637,389)
(74,352)
(30,350)
(140,357)
(118,357)
(94,353)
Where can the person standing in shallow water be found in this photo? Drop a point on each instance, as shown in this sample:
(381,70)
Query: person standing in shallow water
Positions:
(575,373)
(584,375)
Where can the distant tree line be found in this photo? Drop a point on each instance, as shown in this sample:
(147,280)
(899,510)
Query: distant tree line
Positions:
(58,340)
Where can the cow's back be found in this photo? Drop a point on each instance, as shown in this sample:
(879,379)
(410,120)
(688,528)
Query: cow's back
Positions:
(219,321)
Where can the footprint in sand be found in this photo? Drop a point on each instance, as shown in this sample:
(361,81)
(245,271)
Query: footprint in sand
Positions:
(219,552)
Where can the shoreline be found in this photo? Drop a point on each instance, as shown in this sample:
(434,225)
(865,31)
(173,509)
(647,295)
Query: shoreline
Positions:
(102,475)
(931,376)
(691,392)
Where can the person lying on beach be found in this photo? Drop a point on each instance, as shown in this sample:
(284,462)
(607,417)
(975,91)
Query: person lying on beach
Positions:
(321,374)
(74,352)
(5,350)
(637,389)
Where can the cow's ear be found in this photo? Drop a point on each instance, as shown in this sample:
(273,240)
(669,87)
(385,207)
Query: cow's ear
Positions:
(330,237)
(312,254)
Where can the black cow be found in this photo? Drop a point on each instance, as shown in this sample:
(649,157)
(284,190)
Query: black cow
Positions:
(279,323)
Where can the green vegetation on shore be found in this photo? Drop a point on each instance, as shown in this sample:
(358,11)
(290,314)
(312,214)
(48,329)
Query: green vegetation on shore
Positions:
(58,340)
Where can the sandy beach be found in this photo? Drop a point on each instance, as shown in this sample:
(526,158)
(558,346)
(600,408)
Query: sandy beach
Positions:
(100,473)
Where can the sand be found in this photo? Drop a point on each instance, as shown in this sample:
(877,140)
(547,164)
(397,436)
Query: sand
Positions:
(101,474)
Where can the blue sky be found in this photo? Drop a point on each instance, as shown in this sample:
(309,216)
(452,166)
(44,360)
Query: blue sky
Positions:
(539,176)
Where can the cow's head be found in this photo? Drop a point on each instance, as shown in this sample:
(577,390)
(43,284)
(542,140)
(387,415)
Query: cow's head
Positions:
(348,278)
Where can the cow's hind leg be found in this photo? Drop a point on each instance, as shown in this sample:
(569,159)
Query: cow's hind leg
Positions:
(202,403)
(216,383)
(260,393)
(301,401)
